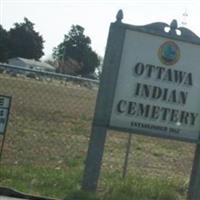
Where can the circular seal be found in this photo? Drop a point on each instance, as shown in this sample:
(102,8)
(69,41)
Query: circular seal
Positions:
(169,53)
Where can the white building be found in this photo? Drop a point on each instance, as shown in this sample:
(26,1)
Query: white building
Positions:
(31,64)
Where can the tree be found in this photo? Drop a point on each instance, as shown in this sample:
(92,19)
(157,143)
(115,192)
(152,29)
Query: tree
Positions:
(76,46)
(25,41)
(4,45)
(98,70)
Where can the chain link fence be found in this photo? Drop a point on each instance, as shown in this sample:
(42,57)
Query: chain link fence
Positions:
(49,127)
(46,110)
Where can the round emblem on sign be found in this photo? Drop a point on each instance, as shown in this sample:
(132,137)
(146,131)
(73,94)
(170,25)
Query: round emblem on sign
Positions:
(169,53)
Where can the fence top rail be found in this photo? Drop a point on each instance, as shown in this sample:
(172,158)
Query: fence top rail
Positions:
(42,72)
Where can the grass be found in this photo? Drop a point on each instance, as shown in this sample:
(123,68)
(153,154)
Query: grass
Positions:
(135,188)
(144,188)
(41,180)
(47,141)
(65,184)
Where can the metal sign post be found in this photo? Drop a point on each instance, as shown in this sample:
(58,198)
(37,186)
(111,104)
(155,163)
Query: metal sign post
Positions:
(5,102)
(150,85)
(128,146)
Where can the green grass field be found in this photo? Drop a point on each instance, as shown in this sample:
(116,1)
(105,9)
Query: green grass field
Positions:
(47,140)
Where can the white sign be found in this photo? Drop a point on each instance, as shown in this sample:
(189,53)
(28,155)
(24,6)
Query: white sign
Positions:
(158,87)
(4,111)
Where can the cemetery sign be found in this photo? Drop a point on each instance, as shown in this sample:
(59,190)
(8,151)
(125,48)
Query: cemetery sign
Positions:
(150,85)
(158,87)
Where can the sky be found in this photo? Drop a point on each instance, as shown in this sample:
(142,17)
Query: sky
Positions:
(53,18)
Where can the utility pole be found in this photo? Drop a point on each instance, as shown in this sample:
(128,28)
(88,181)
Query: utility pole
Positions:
(184,18)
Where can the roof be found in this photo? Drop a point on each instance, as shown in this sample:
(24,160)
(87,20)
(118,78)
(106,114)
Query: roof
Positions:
(34,63)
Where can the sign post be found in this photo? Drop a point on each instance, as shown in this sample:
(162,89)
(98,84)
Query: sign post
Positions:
(5,102)
(194,192)
(104,100)
(150,85)
(128,146)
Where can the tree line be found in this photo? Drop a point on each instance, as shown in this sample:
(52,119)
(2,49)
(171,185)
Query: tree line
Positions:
(74,55)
